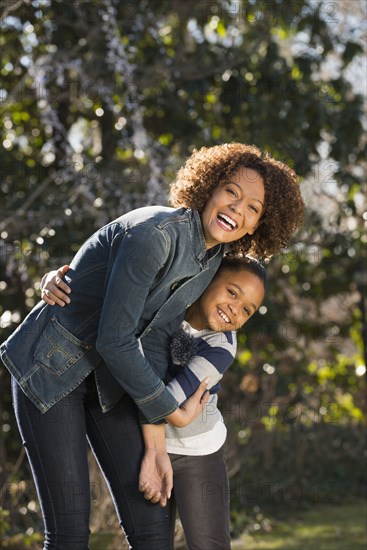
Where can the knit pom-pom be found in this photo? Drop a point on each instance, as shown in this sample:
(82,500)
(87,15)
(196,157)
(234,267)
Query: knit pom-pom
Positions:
(183,348)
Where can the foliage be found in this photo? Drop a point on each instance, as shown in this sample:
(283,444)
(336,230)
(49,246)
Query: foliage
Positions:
(28,541)
(102,101)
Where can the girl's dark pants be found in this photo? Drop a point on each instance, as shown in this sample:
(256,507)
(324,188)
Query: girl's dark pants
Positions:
(56,446)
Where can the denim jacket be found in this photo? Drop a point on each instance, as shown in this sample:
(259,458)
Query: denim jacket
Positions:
(134,276)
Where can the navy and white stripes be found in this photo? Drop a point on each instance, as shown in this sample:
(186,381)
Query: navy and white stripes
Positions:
(215,353)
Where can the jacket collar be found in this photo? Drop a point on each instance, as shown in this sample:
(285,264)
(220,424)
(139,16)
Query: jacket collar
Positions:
(199,244)
(197,235)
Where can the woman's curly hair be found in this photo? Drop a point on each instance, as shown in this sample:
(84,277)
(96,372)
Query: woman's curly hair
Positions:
(211,167)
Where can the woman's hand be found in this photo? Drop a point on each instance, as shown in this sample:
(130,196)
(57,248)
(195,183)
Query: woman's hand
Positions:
(191,408)
(53,289)
(156,476)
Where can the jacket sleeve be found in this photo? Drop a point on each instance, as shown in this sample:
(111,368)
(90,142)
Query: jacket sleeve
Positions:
(215,354)
(137,258)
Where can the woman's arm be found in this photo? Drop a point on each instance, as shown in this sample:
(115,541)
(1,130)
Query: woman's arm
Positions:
(156,476)
(55,290)
(136,258)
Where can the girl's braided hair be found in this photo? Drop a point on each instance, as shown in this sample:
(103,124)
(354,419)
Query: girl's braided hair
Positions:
(231,262)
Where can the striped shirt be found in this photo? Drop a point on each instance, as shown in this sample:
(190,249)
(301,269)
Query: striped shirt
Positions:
(214,355)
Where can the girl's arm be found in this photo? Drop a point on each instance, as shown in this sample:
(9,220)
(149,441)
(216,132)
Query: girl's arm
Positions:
(215,353)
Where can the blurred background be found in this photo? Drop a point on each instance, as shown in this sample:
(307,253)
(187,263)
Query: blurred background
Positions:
(101,102)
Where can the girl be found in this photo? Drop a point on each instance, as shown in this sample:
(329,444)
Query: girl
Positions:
(200,480)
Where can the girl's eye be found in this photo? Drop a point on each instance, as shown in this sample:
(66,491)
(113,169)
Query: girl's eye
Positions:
(231,192)
(247,311)
(254,209)
(233,294)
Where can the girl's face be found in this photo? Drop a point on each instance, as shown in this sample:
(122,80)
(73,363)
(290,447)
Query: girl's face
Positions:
(229,301)
(235,209)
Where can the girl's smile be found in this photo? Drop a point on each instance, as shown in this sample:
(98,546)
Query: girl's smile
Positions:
(229,301)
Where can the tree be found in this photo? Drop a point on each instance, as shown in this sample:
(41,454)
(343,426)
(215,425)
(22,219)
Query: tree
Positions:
(101,103)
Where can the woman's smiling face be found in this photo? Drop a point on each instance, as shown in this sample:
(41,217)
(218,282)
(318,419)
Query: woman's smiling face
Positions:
(235,209)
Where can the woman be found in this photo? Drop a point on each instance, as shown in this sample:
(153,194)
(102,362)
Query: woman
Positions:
(132,278)
(205,346)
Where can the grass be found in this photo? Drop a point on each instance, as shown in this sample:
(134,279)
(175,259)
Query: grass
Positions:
(324,527)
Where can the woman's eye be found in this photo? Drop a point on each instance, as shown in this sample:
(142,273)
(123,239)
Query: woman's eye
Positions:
(233,294)
(254,209)
(247,311)
(231,192)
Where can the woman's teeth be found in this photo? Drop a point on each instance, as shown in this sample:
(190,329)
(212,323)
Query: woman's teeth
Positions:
(231,224)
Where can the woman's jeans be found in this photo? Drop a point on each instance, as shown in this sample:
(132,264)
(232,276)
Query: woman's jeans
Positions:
(56,446)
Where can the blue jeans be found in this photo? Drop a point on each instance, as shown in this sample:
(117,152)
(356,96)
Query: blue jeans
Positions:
(56,445)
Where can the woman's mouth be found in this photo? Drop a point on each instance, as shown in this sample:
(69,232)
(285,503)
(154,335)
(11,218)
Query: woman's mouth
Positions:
(227,223)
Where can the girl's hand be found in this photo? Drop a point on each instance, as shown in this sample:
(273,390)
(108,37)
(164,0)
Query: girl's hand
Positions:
(53,289)
(191,408)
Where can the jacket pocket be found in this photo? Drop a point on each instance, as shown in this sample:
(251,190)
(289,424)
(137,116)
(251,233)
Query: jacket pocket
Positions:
(57,349)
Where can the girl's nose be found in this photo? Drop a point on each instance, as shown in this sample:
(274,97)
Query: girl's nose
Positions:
(233,308)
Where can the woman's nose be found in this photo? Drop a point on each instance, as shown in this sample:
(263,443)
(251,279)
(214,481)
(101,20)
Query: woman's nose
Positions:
(238,206)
